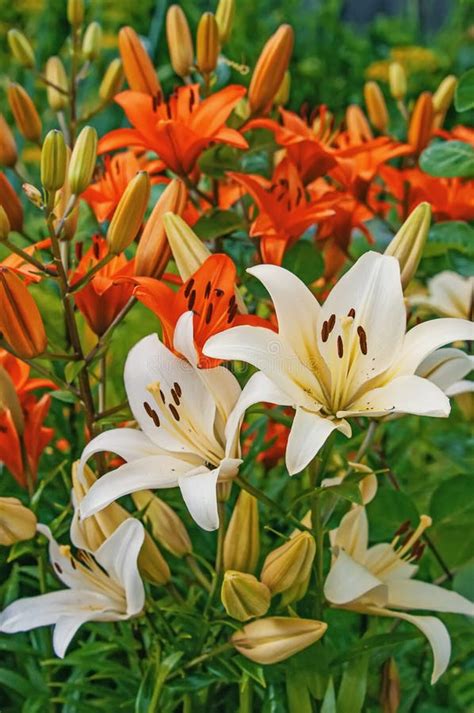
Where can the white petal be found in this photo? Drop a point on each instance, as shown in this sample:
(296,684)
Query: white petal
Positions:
(118,556)
(65,629)
(384,562)
(348,581)
(270,353)
(405,394)
(308,434)
(371,288)
(296,308)
(460,387)
(142,474)
(128,443)
(444,367)
(410,594)
(183,337)
(61,562)
(352,535)
(428,336)
(451,293)
(258,389)
(199,492)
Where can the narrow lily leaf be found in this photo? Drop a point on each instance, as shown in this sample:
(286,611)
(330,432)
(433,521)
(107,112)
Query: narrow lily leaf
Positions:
(329,702)
(298,696)
(72,369)
(351,695)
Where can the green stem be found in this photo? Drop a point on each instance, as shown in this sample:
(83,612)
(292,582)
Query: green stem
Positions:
(28,258)
(197,572)
(219,563)
(245,485)
(76,286)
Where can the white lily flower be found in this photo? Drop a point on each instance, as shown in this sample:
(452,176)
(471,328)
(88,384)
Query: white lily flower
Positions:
(447,368)
(106,587)
(184,441)
(377,580)
(449,295)
(350,357)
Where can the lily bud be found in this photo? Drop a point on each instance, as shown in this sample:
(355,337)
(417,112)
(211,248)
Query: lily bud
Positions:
(283,93)
(112,80)
(242,539)
(390,689)
(4,224)
(290,564)
(270,69)
(92,42)
(69,226)
(225,19)
(407,245)
(357,124)
(53,161)
(397,80)
(276,638)
(24,112)
(444,95)
(11,203)
(82,162)
(20,320)
(165,525)
(421,123)
(17,522)
(75,12)
(9,400)
(137,65)
(34,195)
(376,106)
(153,251)
(243,596)
(188,250)
(56,74)
(20,48)
(180,42)
(90,533)
(8,150)
(129,214)
(207,43)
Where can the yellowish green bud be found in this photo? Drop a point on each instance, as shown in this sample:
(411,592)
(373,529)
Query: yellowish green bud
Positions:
(82,163)
(17,522)
(188,250)
(376,106)
(225,14)
(242,539)
(165,525)
(92,42)
(444,95)
(180,42)
(75,12)
(112,80)
(243,596)
(408,244)
(25,113)
(397,81)
(275,639)
(207,43)
(33,194)
(56,75)
(290,564)
(53,161)
(20,48)
(129,214)
(4,224)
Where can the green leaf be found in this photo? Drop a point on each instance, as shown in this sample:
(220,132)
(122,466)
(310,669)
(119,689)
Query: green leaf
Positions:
(453,235)
(463,581)
(379,642)
(297,693)
(351,694)
(72,369)
(452,502)
(464,95)
(17,683)
(348,491)
(305,261)
(448,159)
(388,511)
(329,702)
(64,396)
(214,225)
(252,670)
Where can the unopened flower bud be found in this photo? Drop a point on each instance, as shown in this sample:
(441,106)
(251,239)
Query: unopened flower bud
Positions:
(153,251)
(82,163)
(91,533)
(207,43)
(129,214)
(357,124)
(188,250)
(397,80)
(112,80)
(53,161)
(290,564)
(276,638)
(11,203)
(283,93)
(4,224)
(270,69)
(20,48)
(92,42)
(8,150)
(24,112)
(390,689)
(75,12)
(421,123)
(408,244)
(444,95)
(17,522)
(166,527)
(20,320)
(56,75)
(69,225)
(225,19)
(180,42)
(9,400)
(137,65)
(34,195)
(242,539)
(376,106)
(243,596)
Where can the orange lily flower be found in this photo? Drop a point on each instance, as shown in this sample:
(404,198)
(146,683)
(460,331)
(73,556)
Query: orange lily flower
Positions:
(458,133)
(177,130)
(26,270)
(105,295)
(274,442)
(285,210)
(35,435)
(209,293)
(11,203)
(306,141)
(105,193)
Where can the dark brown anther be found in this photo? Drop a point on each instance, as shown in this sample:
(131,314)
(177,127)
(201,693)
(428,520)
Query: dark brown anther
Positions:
(219,292)
(178,389)
(351,313)
(207,291)
(418,551)
(208,313)
(96,249)
(331,323)
(299,195)
(58,568)
(403,528)
(362,339)
(192,299)
(192,100)
(232,312)
(325,332)
(175,397)
(340,347)
(73,564)
(162,396)
(189,287)
(174,411)
(151,413)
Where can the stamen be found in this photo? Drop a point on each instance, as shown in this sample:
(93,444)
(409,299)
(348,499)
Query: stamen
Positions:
(162,396)
(189,287)
(152,413)
(178,388)
(219,292)
(362,339)
(174,411)
(58,568)
(209,313)
(351,313)
(331,323)
(340,347)
(192,299)
(175,397)
(425,521)
(208,290)
(325,331)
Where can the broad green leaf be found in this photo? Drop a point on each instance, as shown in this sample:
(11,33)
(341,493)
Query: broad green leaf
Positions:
(448,159)
(305,261)
(64,396)
(388,511)
(351,694)
(217,224)
(464,95)
(452,502)
(452,235)
(463,581)
(348,491)
(329,702)
(72,369)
